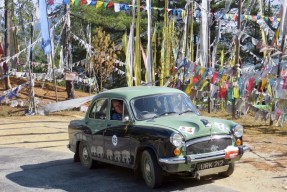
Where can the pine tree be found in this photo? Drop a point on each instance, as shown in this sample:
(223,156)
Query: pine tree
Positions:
(104,56)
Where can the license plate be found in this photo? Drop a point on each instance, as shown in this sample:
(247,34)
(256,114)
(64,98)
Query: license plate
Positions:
(211,164)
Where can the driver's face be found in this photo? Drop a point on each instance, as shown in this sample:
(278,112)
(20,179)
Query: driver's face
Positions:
(118,107)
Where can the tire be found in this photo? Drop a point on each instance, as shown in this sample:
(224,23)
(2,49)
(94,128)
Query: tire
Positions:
(229,171)
(85,156)
(151,171)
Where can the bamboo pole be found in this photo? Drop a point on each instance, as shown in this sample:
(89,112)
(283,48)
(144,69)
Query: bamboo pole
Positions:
(149,45)
(185,54)
(137,47)
(208,57)
(191,43)
(54,76)
(32,106)
(284,33)
(237,52)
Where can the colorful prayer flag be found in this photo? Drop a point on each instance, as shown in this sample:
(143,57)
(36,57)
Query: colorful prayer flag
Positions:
(46,42)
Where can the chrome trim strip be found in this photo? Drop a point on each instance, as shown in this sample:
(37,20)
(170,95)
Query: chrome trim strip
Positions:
(173,160)
(208,138)
(194,158)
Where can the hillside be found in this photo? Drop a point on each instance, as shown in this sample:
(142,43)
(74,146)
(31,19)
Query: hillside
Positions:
(44,94)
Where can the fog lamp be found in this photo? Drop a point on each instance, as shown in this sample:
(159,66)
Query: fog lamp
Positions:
(238,142)
(176,151)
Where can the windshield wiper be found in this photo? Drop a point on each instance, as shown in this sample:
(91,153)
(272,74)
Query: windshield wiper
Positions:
(187,111)
(162,114)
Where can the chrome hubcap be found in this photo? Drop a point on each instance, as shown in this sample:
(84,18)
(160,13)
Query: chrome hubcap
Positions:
(85,154)
(148,171)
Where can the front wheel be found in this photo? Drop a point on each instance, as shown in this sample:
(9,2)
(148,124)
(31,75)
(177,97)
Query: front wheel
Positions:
(85,156)
(229,171)
(151,171)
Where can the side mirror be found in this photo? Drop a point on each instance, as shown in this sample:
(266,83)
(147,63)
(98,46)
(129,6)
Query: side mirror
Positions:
(126,119)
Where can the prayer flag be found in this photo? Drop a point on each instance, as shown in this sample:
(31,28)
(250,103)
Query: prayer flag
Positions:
(99,4)
(66,2)
(1,50)
(77,2)
(50,2)
(110,5)
(83,2)
(46,42)
(117,7)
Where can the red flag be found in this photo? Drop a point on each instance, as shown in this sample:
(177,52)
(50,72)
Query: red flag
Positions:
(1,50)
(110,5)
(50,2)
(83,2)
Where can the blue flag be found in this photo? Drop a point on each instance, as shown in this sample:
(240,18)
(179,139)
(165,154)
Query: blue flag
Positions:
(66,2)
(46,41)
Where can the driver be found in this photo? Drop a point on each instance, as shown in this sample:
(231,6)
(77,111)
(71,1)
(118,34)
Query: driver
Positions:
(118,109)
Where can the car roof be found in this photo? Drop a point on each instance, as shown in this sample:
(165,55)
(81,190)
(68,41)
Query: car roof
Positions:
(137,91)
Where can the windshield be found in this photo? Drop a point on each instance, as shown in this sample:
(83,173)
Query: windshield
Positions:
(161,104)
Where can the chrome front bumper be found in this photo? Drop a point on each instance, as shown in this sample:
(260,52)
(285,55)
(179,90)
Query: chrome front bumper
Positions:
(200,157)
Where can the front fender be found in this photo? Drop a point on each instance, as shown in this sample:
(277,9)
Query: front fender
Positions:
(77,131)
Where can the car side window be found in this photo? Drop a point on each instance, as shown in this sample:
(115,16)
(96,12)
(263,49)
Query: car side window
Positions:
(99,109)
(118,109)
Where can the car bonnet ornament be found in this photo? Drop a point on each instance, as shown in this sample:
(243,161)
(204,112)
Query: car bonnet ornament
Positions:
(205,122)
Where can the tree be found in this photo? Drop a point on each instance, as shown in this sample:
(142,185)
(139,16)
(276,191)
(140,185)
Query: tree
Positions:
(8,49)
(104,56)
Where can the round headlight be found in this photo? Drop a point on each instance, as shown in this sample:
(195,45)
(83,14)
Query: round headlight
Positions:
(238,130)
(176,139)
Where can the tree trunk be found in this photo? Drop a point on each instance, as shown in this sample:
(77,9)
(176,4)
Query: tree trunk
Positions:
(7,40)
(67,53)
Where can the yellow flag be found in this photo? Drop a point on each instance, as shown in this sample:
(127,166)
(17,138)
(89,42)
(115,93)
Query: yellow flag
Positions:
(236,92)
(276,36)
(188,88)
(263,83)
(223,79)
(183,14)
(269,89)
(202,71)
(232,60)
(204,84)
(72,2)
(99,4)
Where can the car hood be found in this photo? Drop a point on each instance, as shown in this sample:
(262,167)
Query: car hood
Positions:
(192,125)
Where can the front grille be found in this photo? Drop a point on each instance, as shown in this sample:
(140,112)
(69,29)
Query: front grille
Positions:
(208,144)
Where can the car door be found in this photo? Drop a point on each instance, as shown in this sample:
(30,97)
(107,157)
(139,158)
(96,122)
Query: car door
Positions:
(97,122)
(116,139)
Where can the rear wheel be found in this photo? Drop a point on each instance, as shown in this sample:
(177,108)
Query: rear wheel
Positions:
(85,156)
(229,171)
(151,171)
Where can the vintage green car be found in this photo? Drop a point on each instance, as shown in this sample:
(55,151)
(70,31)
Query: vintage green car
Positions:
(157,131)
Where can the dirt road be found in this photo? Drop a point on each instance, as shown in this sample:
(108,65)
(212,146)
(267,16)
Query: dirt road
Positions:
(50,133)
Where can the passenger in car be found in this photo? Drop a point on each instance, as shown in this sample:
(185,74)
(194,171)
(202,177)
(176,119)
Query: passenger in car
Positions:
(118,110)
